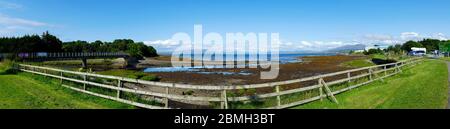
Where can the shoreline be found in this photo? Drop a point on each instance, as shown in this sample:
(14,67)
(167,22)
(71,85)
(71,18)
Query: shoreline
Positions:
(310,66)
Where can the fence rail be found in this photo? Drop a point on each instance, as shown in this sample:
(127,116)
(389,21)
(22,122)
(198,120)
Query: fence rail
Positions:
(317,91)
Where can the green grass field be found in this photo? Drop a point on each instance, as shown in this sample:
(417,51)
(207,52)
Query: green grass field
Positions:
(25,91)
(367,62)
(359,63)
(130,74)
(421,86)
(424,86)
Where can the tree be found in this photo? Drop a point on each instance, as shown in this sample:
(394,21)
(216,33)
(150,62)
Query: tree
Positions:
(76,46)
(430,44)
(408,45)
(135,50)
(397,49)
(121,44)
(51,43)
(141,50)
(444,46)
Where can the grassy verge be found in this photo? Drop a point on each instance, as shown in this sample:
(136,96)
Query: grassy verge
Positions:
(379,58)
(445,58)
(78,62)
(358,63)
(130,74)
(422,86)
(397,57)
(25,91)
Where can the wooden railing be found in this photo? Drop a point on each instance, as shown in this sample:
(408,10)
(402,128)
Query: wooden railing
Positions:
(305,89)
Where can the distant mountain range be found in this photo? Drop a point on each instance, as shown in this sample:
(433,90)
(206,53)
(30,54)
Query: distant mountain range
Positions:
(348,48)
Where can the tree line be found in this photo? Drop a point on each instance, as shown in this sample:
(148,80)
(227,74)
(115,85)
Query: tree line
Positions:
(429,44)
(50,43)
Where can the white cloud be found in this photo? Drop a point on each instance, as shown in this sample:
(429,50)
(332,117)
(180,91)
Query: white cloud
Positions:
(9,5)
(410,36)
(310,45)
(167,42)
(163,45)
(10,25)
(299,46)
(11,21)
(439,36)
(368,40)
(378,37)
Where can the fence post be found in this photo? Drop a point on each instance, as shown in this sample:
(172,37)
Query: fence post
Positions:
(385,70)
(166,100)
(119,85)
(45,72)
(396,68)
(277,89)
(349,76)
(33,69)
(370,73)
(328,90)
(224,99)
(84,84)
(320,89)
(61,78)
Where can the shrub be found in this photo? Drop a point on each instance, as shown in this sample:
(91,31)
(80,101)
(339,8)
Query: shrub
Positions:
(7,67)
(150,78)
(247,92)
(132,76)
(85,70)
(189,92)
(139,75)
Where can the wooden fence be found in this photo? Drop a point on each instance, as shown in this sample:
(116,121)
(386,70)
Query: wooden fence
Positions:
(324,86)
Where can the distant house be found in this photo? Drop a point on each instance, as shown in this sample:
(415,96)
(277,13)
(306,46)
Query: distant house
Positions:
(376,47)
(359,51)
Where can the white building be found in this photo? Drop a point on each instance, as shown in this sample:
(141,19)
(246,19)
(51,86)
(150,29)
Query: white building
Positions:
(418,49)
(376,47)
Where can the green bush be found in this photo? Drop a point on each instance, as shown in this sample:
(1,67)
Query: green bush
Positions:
(7,67)
(247,92)
(139,74)
(189,92)
(150,78)
(132,76)
(85,70)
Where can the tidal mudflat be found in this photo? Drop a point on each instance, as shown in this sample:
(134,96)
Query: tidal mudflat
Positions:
(306,66)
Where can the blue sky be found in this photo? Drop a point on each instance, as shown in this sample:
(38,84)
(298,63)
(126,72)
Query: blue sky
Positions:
(302,24)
